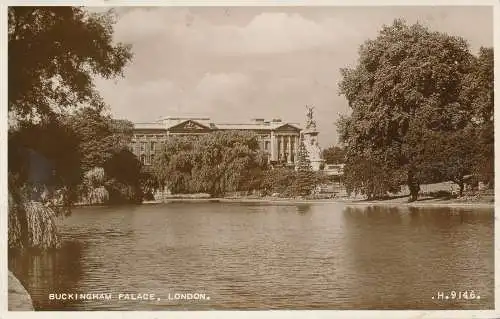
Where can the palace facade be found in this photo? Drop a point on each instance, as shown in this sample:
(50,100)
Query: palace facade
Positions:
(280,140)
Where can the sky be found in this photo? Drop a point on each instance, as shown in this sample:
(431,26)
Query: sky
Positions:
(233,64)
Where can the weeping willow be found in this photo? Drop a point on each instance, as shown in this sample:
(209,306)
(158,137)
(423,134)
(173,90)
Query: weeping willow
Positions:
(42,231)
(94,191)
(95,177)
(31,225)
(98,195)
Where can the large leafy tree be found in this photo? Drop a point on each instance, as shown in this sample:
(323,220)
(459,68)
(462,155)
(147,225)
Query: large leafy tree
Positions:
(54,53)
(101,137)
(104,142)
(447,157)
(407,80)
(478,90)
(36,160)
(222,161)
(172,168)
(479,93)
(214,163)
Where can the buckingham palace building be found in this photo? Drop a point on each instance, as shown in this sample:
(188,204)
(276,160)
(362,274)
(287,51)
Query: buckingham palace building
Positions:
(280,140)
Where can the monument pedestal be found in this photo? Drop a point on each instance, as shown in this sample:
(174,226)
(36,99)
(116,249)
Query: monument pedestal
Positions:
(313,149)
(310,135)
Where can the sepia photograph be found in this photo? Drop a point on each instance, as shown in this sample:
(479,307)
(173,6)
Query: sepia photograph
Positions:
(250,158)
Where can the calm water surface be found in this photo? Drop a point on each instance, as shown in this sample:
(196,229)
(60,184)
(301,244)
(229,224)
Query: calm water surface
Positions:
(256,256)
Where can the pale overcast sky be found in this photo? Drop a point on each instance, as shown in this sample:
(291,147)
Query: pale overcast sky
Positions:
(238,63)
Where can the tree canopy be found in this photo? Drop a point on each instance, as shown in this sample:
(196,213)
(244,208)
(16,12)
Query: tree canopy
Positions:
(46,154)
(479,93)
(409,86)
(215,163)
(53,55)
(100,136)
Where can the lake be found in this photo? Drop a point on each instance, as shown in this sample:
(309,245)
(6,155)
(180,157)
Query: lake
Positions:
(265,256)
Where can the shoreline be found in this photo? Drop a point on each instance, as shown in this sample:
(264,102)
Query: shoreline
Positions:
(425,204)
(401,202)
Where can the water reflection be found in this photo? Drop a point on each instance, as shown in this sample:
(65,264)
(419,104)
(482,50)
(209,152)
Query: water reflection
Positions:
(253,256)
(303,208)
(427,249)
(49,272)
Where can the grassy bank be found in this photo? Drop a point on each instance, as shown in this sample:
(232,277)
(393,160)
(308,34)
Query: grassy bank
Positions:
(427,202)
(431,195)
(486,202)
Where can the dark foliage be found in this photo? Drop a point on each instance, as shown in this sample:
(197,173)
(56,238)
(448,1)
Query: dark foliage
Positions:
(53,54)
(414,94)
(334,155)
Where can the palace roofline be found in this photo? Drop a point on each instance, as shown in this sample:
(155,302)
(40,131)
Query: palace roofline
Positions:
(256,124)
(200,118)
(156,125)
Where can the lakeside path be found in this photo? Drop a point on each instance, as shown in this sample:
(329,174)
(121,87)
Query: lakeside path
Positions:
(397,202)
(19,299)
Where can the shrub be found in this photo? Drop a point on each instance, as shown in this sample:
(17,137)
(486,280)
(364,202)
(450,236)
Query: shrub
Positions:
(121,193)
(94,177)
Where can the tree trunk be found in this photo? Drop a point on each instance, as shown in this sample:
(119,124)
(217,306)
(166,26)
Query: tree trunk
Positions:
(413,186)
(461,185)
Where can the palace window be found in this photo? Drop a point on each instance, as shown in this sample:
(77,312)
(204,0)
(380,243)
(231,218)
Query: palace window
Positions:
(143,159)
(153,146)
(266,145)
(143,147)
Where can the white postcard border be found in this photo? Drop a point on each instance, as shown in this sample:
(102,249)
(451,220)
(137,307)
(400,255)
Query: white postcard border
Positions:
(354,314)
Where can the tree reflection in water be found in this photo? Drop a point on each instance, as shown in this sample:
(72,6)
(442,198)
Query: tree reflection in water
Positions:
(303,208)
(55,271)
(418,251)
(300,256)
